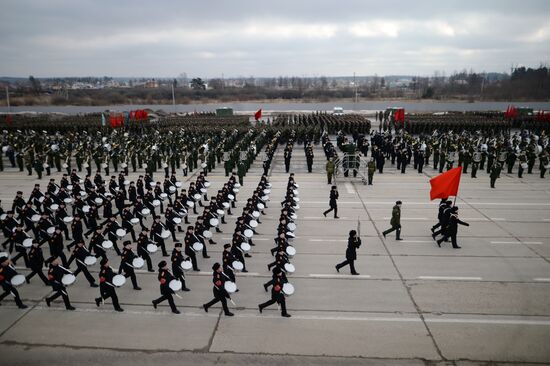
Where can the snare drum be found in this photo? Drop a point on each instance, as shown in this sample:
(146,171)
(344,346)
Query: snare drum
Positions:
(34,218)
(296,199)
(163,196)
(288,289)
(119,280)
(197,247)
(235,190)
(83,194)
(197,196)
(245,247)
(152,248)
(253,223)
(190,204)
(296,185)
(219,212)
(54,207)
(172,189)
(175,285)
(293,216)
(68,201)
(268,185)
(186,265)
(231,197)
(165,234)
(260,206)
(68,219)
(17,280)
(51,230)
(237,184)
(126,182)
(248,233)
(267,191)
(295,192)
(85,208)
(3,216)
(69,187)
(121,233)
(90,260)
(256,214)
(291,226)
(176,220)
(290,251)
(138,262)
(145,212)
(207,184)
(68,279)
(225,205)
(207,234)
(107,244)
(230,287)
(134,221)
(290,235)
(214,222)
(289,268)
(296,207)
(524,165)
(203,190)
(103,165)
(203,165)
(178,184)
(156,203)
(237,265)
(27,243)
(41,199)
(265,198)
(98,201)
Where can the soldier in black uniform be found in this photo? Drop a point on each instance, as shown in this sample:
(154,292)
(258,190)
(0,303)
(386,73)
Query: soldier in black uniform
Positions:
(277,295)
(106,287)
(55,275)
(351,252)
(142,242)
(6,274)
(332,202)
(126,263)
(452,230)
(190,239)
(164,278)
(80,253)
(220,294)
(36,262)
(177,258)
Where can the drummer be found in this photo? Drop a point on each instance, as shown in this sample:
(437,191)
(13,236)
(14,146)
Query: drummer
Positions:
(55,275)
(281,258)
(80,253)
(200,228)
(126,265)
(111,226)
(177,258)
(169,221)
(142,242)
(18,237)
(106,287)
(7,272)
(190,239)
(164,278)
(237,251)
(227,260)
(77,229)
(95,243)
(220,294)
(156,230)
(127,224)
(274,276)
(277,295)
(36,262)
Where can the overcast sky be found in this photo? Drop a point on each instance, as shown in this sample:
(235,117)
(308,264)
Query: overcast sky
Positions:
(269,38)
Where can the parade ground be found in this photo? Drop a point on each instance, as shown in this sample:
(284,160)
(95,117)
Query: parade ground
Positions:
(412,304)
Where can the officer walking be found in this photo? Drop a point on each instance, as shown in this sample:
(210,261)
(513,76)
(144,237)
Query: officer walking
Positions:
(395,221)
(351,253)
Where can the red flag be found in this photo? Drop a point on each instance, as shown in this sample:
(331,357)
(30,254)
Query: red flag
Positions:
(258,114)
(9,119)
(446,184)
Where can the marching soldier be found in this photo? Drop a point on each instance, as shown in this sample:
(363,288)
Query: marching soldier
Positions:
(277,295)
(395,221)
(106,286)
(55,276)
(220,294)
(332,202)
(7,272)
(164,278)
(351,252)
(177,258)
(126,263)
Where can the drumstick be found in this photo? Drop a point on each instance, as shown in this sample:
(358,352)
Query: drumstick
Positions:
(178,295)
(233,302)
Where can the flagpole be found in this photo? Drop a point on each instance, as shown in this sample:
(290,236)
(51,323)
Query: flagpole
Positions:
(8,98)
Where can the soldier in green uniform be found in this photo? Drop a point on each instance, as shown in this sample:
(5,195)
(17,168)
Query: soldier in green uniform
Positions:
(27,159)
(395,221)
(371,168)
(330,166)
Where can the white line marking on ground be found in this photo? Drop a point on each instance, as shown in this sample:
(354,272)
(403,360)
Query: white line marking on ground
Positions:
(542,279)
(274,315)
(327,240)
(336,276)
(498,219)
(322,217)
(532,242)
(417,241)
(408,218)
(452,278)
(505,242)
